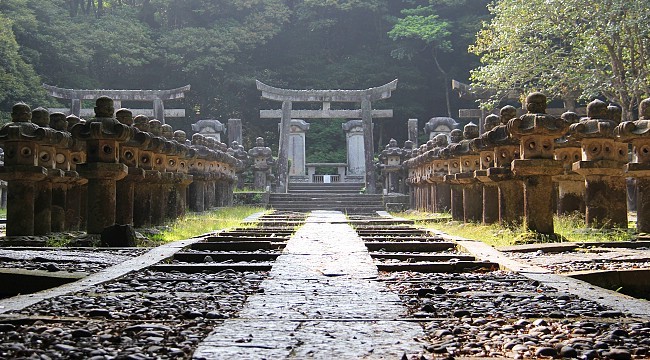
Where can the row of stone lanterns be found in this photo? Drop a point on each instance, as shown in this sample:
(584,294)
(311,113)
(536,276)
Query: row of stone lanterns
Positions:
(65,173)
(510,173)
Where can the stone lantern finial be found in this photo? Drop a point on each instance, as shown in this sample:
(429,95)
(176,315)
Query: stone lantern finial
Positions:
(21,112)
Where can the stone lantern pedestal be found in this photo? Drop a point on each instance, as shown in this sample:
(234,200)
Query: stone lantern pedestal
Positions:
(125,202)
(605,193)
(571,185)
(22,182)
(538,191)
(102,193)
(490,196)
(456,190)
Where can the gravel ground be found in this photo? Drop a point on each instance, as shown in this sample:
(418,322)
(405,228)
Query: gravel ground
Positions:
(88,261)
(502,314)
(149,315)
(588,259)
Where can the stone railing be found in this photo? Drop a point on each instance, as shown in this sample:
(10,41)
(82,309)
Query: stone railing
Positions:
(64,173)
(512,172)
(338,177)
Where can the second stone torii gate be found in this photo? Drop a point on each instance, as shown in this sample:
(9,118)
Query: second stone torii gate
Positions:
(326,97)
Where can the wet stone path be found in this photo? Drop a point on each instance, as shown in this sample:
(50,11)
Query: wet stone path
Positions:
(320,301)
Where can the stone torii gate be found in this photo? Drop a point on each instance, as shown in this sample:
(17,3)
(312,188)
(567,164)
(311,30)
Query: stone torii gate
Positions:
(326,97)
(156,96)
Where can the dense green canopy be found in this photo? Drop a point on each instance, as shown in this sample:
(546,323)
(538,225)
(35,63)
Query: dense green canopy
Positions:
(568,49)
(221,46)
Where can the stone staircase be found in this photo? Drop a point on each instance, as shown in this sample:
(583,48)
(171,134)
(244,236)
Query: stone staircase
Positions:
(345,197)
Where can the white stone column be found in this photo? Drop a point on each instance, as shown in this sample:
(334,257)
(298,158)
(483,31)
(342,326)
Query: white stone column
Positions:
(355,144)
(297,147)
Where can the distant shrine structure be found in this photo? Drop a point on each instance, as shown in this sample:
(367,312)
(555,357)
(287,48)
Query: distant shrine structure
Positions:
(358,132)
(157,97)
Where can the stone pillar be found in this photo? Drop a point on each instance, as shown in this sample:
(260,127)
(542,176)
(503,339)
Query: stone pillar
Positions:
(126,200)
(43,207)
(59,194)
(456,189)
(297,154)
(73,201)
(355,148)
(20,202)
(159,110)
(101,195)
(490,189)
(283,150)
(235,131)
(368,145)
(75,107)
(413,131)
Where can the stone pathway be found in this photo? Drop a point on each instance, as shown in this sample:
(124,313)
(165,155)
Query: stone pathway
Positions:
(320,302)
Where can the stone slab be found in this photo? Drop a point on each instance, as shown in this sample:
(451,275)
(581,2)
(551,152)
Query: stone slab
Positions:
(318,302)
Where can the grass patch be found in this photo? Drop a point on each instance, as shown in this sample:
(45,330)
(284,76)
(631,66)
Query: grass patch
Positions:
(3,213)
(194,224)
(569,228)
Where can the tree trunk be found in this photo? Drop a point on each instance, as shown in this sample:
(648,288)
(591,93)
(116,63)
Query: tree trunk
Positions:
(446,79)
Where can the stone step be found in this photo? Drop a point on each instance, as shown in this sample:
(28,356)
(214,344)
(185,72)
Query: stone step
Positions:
(442,267)
(410,246)
(335,185)
(325,196)
(195,268)
(199,257)
(420,257)
(234,246)
(326,204)
(221,238)
(348,209)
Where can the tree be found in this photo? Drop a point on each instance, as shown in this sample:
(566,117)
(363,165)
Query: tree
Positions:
(18,80)
(423,28)
(568,49)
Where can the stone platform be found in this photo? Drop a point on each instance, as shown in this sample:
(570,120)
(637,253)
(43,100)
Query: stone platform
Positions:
(320,302)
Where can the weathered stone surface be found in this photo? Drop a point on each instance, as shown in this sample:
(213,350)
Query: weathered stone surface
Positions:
(323,275)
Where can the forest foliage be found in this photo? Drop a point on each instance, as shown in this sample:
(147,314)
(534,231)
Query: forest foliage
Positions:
(220,47)
(570,49)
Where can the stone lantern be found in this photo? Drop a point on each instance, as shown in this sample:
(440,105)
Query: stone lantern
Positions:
(51,140)
(182,178)
(571,185)
(21,170)
(262,160)
(391,165)
(537,132)
(144,190)
(506,149)
(490,188)
(76,197)
(442,191)
(237,150)
(103,136)
(453,167)
(603,158)
(637,133)
(469,161)
(64,163)
(130,156)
